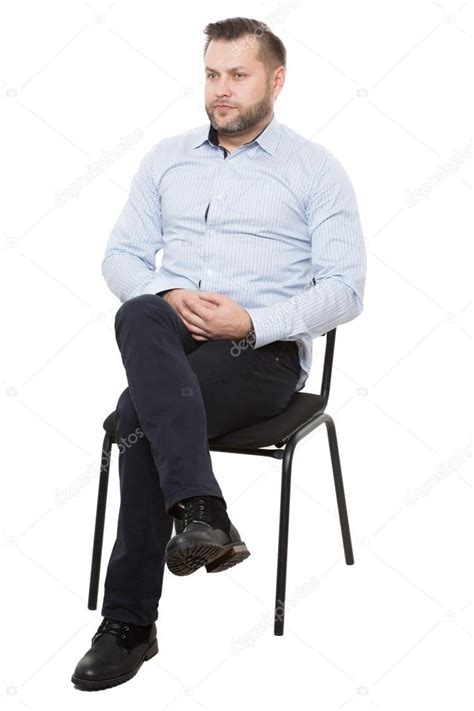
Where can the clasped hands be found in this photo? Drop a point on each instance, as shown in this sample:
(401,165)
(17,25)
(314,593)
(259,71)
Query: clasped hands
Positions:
(209,315)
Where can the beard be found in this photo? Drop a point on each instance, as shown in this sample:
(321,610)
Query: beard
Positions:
(246,119)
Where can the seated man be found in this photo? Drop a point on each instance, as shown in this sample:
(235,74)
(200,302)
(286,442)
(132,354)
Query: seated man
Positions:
(262,251)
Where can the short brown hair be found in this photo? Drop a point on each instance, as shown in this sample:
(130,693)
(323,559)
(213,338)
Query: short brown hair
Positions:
(271,50)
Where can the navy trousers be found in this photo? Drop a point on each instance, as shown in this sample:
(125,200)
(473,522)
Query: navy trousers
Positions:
(181,392)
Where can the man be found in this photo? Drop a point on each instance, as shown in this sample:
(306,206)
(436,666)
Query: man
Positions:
(262,251)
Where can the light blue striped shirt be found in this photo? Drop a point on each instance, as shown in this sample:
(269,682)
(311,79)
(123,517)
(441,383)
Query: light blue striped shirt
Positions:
(274,225)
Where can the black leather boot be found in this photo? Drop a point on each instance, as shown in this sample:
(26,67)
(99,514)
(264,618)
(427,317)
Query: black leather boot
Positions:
(118,650)
(205,536)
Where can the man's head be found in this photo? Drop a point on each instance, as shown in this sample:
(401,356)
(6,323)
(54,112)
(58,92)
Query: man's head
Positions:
(245,65)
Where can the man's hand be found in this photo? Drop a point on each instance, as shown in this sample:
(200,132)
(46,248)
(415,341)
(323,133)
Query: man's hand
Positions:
(208,315)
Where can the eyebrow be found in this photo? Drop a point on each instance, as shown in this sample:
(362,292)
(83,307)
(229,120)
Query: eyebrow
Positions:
(241,66)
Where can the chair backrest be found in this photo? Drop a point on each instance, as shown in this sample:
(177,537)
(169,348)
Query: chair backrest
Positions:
(327,368)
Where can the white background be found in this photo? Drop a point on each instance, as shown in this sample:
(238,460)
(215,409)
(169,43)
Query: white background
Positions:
(385,87)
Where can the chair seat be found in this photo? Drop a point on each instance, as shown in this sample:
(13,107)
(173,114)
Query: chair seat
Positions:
(302,407)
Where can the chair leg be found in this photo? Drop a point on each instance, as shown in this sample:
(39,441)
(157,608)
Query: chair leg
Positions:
(99,521)
(279,619)
(341,499)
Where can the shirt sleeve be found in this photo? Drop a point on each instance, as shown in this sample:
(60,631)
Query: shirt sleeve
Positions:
(128,265)
(338,258)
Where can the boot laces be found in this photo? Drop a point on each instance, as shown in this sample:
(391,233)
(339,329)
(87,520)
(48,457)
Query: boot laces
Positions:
(114,627)
(194,510)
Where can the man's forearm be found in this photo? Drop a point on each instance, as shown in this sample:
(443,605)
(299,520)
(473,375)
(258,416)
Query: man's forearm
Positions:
(317,310)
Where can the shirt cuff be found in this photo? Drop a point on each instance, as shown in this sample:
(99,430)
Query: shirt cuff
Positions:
(265,326)
(160,283)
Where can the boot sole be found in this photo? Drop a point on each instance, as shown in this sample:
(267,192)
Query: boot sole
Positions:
(234,555)
(189,557)
(97,684)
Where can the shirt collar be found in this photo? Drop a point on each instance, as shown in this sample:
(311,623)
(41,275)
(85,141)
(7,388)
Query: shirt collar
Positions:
(267,138)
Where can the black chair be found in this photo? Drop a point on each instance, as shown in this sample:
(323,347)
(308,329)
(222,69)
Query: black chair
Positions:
(304,413)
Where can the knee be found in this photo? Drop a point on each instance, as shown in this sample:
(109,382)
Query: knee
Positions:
(134,308)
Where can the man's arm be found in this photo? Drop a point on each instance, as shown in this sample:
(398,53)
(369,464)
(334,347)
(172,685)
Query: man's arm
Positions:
(339,262)
(128,265)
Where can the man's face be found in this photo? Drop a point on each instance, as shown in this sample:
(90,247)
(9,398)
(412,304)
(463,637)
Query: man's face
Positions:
(234,77)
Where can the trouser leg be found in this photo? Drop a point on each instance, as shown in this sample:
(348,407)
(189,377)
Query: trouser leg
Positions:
(134,578)
(154,343)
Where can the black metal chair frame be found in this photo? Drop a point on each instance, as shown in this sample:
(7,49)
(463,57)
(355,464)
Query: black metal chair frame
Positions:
(289,442)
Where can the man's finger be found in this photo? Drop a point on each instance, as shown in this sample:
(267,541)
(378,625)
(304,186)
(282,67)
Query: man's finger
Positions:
(211,297)
(195,306)
(193,328)
(209,305)
(191,315)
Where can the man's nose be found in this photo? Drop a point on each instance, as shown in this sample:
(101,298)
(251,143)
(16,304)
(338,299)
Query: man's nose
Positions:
(223,88)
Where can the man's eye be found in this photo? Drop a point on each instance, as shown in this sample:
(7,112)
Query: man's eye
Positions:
(238,74)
